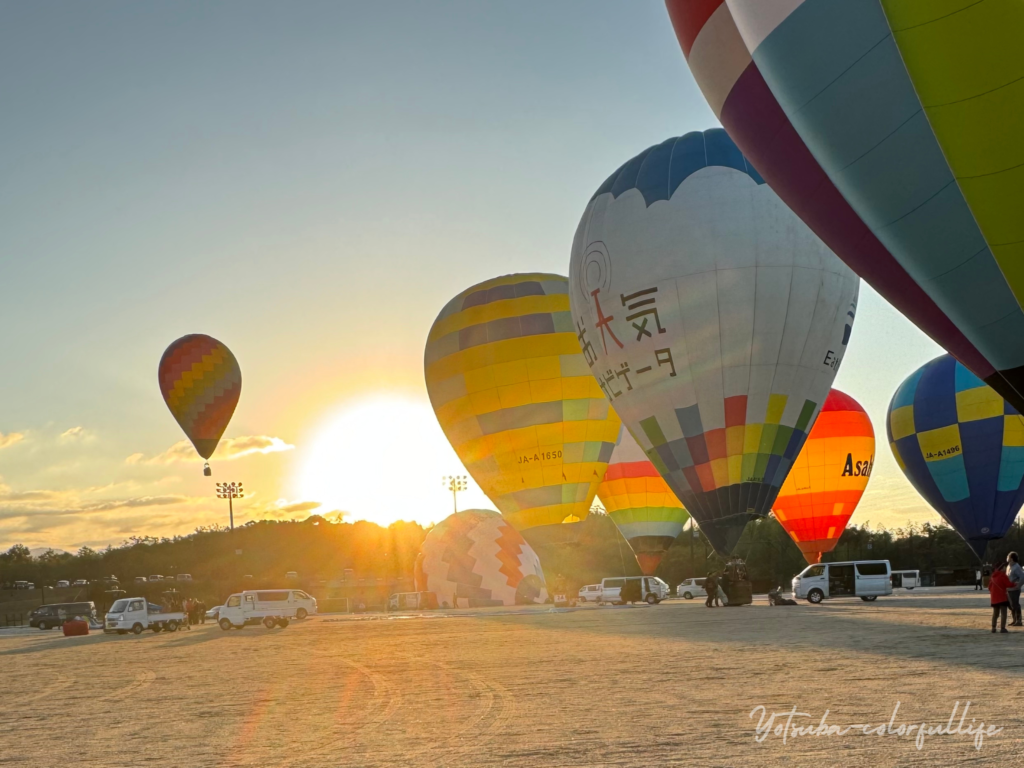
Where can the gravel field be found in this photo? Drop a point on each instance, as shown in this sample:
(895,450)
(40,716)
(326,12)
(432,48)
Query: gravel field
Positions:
(672,684)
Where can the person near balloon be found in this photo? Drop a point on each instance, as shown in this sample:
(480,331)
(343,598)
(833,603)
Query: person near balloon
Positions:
(722,595)
(1016,575)
(998,583)
(711,587)
(977,579)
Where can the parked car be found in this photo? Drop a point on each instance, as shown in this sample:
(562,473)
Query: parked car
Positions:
(691,588)
(63,583)
(291,575)
(156,578)
(55,614)
(652,589)
(590,593)
(270,607)
(213,613)
(184,577)
(135,615)
(866,579)
(140,579)
(22,585)
(905,579)
(80,583)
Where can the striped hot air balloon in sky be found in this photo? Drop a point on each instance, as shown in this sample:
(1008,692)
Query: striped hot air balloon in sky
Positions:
(828,477)
(516,399)
(640,503)
(200,381)
(962,447)
(895,130)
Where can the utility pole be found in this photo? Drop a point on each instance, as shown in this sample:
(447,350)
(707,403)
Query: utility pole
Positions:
(455,483)
(230,491)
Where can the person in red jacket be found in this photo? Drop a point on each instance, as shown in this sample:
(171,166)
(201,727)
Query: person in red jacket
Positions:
(997,586)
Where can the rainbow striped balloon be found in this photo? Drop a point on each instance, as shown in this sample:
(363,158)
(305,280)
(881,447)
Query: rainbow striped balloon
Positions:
(200,381)
(516,399)
(640,503)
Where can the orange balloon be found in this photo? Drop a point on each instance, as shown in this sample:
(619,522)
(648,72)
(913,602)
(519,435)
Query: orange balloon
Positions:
(828,477)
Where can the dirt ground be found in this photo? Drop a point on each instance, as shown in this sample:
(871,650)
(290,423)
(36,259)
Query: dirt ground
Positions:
(672,684)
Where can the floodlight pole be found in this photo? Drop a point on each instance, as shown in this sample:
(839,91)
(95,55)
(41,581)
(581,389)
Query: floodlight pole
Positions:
(230,491)
(455,483)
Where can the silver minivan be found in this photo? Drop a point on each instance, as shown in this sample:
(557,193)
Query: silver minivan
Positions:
(652,589)
(866,579)
(690,588)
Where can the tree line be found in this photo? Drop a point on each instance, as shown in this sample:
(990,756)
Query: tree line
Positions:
(583,553)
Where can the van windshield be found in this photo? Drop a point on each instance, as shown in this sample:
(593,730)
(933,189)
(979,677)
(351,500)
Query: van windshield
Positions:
(118,606)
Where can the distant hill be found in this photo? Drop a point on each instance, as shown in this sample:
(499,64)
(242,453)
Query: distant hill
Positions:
(37,551)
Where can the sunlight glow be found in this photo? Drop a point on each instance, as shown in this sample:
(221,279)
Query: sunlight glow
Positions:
(382,460)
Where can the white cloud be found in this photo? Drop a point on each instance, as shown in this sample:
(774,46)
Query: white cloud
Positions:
(229,448)
(6,441)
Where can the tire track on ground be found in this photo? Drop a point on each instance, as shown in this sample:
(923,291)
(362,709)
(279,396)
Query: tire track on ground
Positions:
(142,680)
(385,702)
(61,681)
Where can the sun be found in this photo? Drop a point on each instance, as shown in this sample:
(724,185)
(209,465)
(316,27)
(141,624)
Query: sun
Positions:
(382,460)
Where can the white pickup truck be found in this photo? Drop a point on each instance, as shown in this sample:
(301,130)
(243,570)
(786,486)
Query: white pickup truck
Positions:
(134,614)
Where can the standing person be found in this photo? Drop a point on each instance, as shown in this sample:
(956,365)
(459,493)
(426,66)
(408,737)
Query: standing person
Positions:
(723,588)
(711,587)
(202,611)
(977,578)
(998,583)
(1016,575)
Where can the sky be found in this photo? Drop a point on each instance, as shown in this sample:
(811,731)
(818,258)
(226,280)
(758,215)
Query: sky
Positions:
(309,183)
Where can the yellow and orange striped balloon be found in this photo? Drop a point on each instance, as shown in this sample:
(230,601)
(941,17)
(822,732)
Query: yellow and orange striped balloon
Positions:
(828,477)
(517,401)
(201,382)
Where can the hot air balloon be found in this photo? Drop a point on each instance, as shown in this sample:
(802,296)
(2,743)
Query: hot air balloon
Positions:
(962,447)
(200,381)
(516,399)
(714,321)
(828,477)
(640,503)
(474,558)
(895,130)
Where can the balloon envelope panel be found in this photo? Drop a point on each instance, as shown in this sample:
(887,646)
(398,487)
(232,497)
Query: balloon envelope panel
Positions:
(894,130)
(476,557)
(201,382)
(961,446)
(714,321)
(516,399)
(640,503)
(828,477)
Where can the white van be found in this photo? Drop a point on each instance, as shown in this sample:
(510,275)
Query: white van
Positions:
(866,579)
(690,588)
(905,579)
(254,605)
(652,589)
(589,593)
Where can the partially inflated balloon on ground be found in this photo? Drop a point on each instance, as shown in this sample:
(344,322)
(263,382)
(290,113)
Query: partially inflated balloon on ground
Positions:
(475,558)
(828,477)
(640,503)
(714,321)
(516,400)
(962,447)
(200,381)
(894,129)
